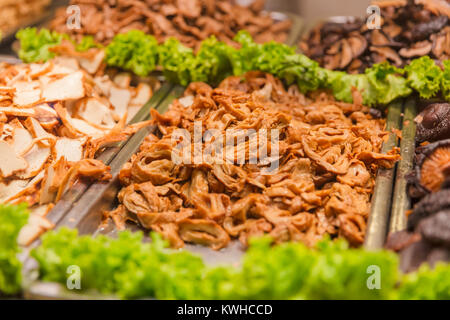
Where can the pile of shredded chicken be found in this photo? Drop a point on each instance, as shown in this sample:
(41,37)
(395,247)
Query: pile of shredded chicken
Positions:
(329,153)
(13,12)
(190,21)
(54,117)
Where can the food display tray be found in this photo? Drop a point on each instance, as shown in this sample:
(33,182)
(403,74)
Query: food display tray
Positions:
(86,214)
(82,207)
(73,194)
(401,201)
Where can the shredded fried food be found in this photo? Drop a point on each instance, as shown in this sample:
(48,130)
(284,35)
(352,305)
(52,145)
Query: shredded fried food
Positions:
(190,21)
(54,118)
(328,157)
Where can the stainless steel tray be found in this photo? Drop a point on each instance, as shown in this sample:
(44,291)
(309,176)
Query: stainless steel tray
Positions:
(86,213)
(401,201)
(83,206)
(73,194)
(377,225)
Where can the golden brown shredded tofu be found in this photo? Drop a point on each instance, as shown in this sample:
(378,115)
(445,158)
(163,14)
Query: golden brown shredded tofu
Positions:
(315,179)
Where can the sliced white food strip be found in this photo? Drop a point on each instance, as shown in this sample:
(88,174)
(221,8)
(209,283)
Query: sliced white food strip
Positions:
(18,112)
(27,98)
(122,80)
(92,65)
(36,226)
(45,113)
(39,69)
(120,98)
(71,149)
(27,94)
(104,84)
(15,188)
(67,62)
(21,140)
(10,162)
(186,101)
(68,87)
(10,189)
(36,159)
(132,111)
(85,128)
(42,210)
(77,125)
(95,112)
(38,132)
(48,195)
(7,90)
(143,95)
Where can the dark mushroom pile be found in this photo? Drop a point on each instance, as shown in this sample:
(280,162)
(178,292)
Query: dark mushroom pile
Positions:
(432,168)
(409,29)
(433,123)
(427,237)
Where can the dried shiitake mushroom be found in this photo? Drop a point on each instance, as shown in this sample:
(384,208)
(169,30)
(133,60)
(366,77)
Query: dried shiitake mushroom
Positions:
(409,29)
(436,229)
(431,170)
(428,206)
(433,123)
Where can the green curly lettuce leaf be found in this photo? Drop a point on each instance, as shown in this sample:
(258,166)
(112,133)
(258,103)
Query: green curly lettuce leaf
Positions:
(12,219)
(132,269)
(342,83)
(344,273)
(242,59)
(34,44)
(272,57)
(427,284)
(424,76)
(379,85)
(211,63)
(134,51)
(303,71)
(445,84)
(215,60)
(86,43)
(387,83)
(176,61)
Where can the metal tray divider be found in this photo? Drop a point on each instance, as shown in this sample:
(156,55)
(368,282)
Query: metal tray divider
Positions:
(296,29)
(82,211)
(74,193)
(401,201)
(78,213)
(382,197)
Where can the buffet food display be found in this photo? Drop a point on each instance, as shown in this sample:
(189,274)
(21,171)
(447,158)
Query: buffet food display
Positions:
(293,156)
(327,160)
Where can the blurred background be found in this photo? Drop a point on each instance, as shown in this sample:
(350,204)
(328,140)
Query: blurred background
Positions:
(312,10)
(15,13)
